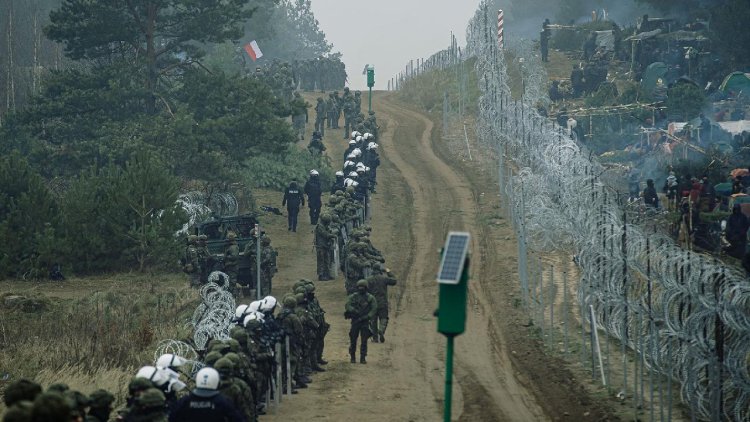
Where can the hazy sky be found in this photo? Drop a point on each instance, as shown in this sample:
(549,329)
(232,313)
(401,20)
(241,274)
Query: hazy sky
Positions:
(389,33)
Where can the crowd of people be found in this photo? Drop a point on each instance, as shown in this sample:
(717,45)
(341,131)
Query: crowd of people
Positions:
(272,347)
(320,74)
(328,113)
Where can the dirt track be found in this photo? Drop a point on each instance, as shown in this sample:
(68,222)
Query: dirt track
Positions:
(420,198)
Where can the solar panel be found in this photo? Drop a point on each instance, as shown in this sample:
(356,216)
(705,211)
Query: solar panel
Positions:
(454,255)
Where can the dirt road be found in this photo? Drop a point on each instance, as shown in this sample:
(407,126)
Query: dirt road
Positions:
(420,198)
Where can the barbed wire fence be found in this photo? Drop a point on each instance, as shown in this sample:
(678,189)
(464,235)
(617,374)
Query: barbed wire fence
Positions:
(680,319)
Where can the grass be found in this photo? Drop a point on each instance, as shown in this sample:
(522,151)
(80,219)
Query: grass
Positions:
(93,332)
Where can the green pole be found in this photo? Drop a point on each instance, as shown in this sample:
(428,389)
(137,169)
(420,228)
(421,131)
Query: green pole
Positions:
(448,379)
(370,106)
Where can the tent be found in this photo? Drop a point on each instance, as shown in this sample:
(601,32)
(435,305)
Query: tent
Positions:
(736,82)
(653,73)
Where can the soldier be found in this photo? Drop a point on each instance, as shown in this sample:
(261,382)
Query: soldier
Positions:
(150,406)
(292,326)
(100,406)
(231,256)
(309,331)
(299,114)
(205,402)
(316,146)
(324,243)
(378,286)
(205,259)
(192,261)
(229,387)
(314,191)
(348,107)
(321,113)
(576,81)
(357,103)
(360,308)
(293,199)
(268,266)
(331,105)
(319,314)
(49,407)
(339,107)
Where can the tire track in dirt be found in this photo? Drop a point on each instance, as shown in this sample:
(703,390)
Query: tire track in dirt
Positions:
(444,201)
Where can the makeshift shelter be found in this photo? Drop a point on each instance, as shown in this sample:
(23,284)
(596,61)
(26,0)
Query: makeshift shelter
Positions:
(652,74)
(736,82)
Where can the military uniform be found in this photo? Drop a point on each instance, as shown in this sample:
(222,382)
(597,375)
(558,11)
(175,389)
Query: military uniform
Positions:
(321,113)
(360,308)
(205,259)
(231,257)
(293,329)
(378,286)
(324,243)
(299,114)
(267,266)
(229,387)
(192,262)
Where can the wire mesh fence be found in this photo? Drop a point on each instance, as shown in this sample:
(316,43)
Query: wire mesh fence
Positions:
(673,322)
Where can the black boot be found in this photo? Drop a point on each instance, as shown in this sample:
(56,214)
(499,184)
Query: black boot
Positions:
(362,359)
(354,358)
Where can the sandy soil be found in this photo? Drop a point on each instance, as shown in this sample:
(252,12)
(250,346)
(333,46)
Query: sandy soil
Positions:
(501,373)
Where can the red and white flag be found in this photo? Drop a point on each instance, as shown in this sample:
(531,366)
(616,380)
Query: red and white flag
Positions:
(253,50)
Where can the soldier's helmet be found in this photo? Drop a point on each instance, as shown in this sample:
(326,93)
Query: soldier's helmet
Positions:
(265,241)
(234,345)
(231,236)
(211,358)
(192,239)
(346,89)
(101,399)
(310,288)
(224,366)
(325,218)
(290,302)
(300,296)
(362,283)
(202,238)
(252,322)
(152,398)
(21,390)
(139,384)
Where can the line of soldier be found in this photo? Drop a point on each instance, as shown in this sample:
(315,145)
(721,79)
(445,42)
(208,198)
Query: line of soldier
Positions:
(328,114)
(284,78)
(198,262)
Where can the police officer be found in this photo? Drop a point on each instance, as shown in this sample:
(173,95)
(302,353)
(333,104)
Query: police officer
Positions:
(360,308)
(205,403)
(338,184)
(314,192)
(293,199)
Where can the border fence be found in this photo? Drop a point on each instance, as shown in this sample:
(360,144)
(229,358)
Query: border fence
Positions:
(677,321)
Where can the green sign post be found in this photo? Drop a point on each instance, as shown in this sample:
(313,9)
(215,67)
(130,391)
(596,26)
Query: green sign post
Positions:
(453,278)
(370,83)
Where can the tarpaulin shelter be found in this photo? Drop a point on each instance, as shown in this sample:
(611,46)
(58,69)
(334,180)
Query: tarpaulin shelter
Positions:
(736,82)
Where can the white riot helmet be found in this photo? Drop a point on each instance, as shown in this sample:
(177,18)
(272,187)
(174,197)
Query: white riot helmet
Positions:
(354,134)
(254,306)
(348,182)
(157,376)
(356,152)
(314,172)
(368,135)
(207,382)
(358,139)
(351,156)
(353,174)
(339,174)
(352,142)
(259,316)
(240,312)
(349,163)
(372,145)
(170,360)
(268,305)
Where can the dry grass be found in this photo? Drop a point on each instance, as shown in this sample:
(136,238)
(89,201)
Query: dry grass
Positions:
(93,332)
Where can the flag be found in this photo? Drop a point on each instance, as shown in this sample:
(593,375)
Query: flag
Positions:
(253,50)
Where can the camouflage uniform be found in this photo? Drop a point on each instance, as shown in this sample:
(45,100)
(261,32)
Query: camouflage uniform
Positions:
(299,114)
(320,116)
(309,332)
(378,286)
(293,329)
(324,243)
(231,255)
(232,391)
(331,105)
(267,265)
(360,308)
(313,305)
(192,262)
(205,259)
